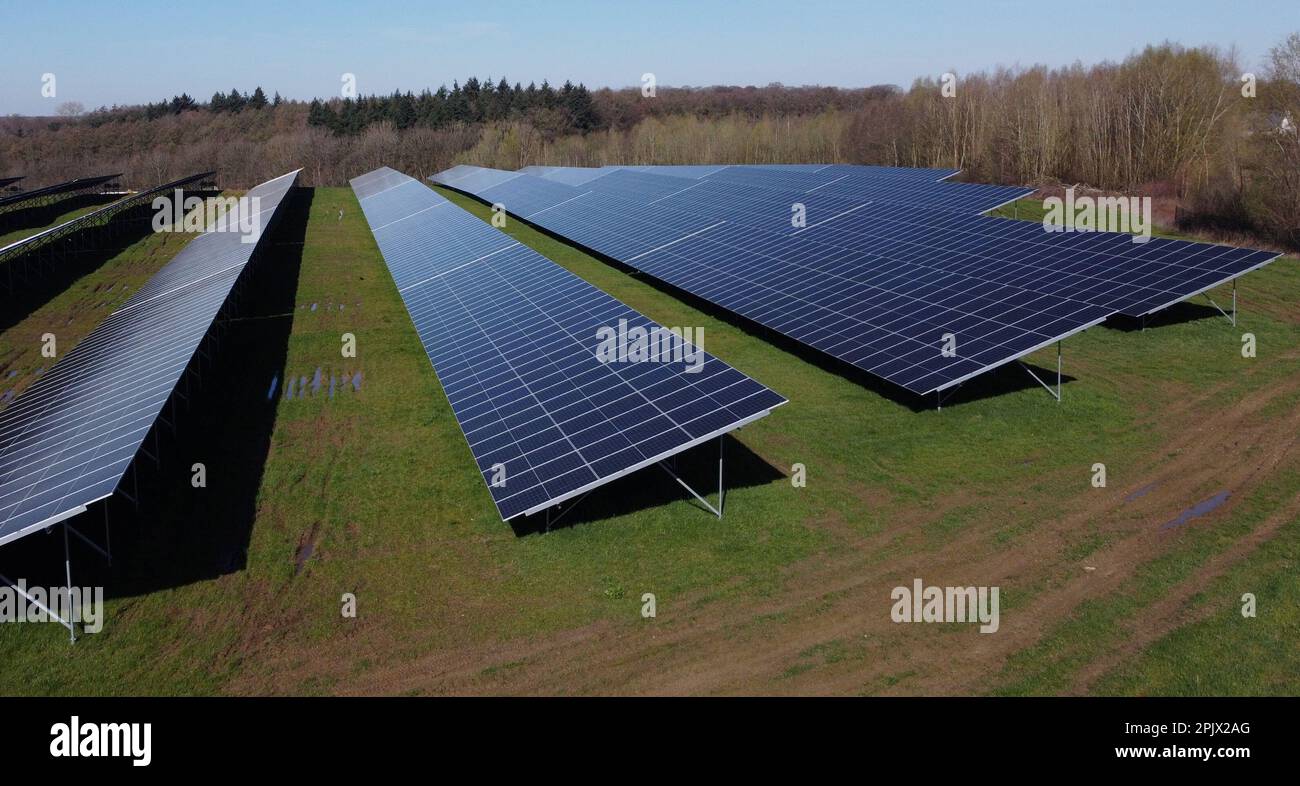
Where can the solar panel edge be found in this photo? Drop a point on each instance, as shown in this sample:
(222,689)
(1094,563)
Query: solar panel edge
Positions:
(1026,353)
(648,462)
(49,522)
(1205,289)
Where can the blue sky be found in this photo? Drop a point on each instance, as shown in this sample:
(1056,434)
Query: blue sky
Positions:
(103,53)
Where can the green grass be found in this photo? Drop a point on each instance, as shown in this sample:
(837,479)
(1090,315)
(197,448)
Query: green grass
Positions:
(382,483)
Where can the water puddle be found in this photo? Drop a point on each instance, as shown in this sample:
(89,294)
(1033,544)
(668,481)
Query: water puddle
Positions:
(1140,493)
(305,549)
(1198,510)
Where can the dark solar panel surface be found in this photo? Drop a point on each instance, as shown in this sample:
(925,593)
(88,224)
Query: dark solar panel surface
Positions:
(512,337)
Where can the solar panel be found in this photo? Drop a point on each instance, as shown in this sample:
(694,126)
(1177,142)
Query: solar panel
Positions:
(48,192)
(846,183)
(100,216)
(1105,269)
(67,441)
(513,337)
(1102,268)
(888,319)
(9,181)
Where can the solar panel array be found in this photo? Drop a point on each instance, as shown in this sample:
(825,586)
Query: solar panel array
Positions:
(58,189)
(68,440)
(101,215)
(875,281)
(1104,269)
(513,338)
(887,319)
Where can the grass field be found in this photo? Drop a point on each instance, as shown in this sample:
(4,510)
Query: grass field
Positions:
(236,588)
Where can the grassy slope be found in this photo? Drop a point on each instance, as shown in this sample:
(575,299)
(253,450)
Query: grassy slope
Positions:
(382,483)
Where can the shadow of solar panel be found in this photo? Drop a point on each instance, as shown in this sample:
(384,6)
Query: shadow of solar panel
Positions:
(67,440)
(513,338)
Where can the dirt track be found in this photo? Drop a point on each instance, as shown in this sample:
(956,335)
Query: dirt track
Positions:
(843,602)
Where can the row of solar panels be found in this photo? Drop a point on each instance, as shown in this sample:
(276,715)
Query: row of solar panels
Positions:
(895,273)
(513,338)
(68,440)
(58,189)
(105,213)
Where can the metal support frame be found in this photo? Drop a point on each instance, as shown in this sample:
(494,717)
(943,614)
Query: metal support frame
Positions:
(67,567)
(72,630)
(1232,318)
(1056,394)
(721,491)
(668,465)
(105,551)
(565,512)
(939,397)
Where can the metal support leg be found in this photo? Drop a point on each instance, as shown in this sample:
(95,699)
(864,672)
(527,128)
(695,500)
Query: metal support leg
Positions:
(939,397)
(1234,302)
(721,443)
(67,567)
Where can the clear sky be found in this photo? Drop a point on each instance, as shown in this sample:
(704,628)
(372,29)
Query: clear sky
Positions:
(132,51)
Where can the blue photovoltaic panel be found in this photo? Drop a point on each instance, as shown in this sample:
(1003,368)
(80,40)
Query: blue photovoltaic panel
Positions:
(478,178)
(1104,269)
(513,337)
(1030,287)
(864,309)
(919,174)
(573,175)
(850,184)
(1101,268)
(67,440)
(527,194)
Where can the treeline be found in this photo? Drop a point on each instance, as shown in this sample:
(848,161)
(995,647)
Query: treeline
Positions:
(573,109)
(1169,121)
(234,101)
(568,110)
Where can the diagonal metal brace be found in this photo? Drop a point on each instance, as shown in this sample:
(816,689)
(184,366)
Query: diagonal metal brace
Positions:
(702,500)
(1056,394)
